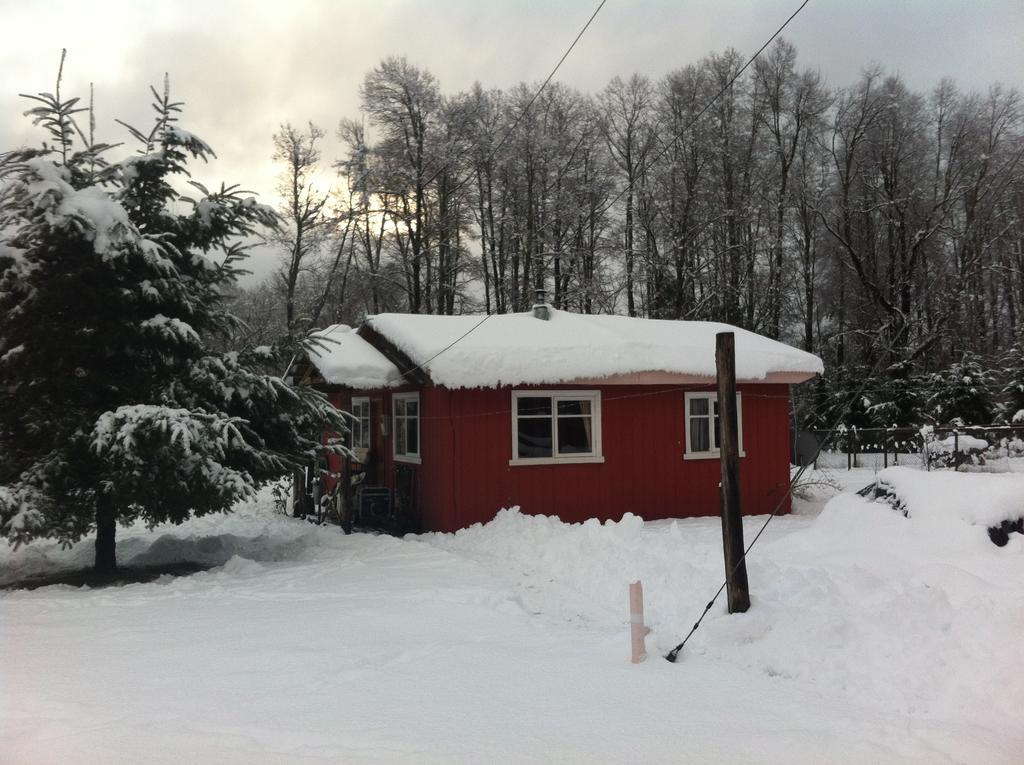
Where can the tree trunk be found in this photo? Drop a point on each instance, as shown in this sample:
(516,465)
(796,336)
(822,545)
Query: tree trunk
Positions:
(299,508)
(106,517)
(630,300)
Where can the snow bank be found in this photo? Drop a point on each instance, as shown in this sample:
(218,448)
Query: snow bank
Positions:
(860,603)
(940,496)
(255,532)
(571,559)
(517,349)
(344,358)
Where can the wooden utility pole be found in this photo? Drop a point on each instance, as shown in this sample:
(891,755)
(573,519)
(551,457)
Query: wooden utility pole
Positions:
(729,447)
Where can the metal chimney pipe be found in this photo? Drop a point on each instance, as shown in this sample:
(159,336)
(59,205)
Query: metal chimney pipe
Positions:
(541,309)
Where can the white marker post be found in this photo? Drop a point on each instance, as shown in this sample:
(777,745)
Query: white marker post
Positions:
(637,629)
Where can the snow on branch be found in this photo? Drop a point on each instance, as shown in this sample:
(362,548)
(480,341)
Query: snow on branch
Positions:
(94,213)
(171,329)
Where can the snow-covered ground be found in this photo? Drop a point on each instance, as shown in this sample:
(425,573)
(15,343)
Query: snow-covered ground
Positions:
(872,638)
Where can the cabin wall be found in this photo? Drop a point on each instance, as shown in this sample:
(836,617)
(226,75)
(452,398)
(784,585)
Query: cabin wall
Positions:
(643,441)
(437,469)
(466,443)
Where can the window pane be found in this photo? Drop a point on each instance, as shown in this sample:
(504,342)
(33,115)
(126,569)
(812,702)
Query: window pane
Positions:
(575,435)
(400,435)
(399,406)
(577,407)
(361,426)
(698,406)
(412,408)
(534,437)
(699,434)
(533,406)
(413,439)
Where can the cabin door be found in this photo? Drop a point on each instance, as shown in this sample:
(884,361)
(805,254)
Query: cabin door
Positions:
(406,511)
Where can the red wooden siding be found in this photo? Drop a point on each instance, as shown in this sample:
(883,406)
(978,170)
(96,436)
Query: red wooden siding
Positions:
(466,435)
(643,441)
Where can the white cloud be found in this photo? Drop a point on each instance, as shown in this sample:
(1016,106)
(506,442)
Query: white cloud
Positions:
(244,67)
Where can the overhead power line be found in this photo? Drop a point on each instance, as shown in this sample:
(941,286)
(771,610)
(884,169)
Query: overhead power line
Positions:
(674,653)
(529,105)
(703,111)
(491,154)
(832,432)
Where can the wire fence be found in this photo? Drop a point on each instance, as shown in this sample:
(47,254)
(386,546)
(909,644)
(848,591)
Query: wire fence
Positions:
(987,448)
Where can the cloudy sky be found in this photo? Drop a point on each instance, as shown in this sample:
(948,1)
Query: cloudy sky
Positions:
(244,67)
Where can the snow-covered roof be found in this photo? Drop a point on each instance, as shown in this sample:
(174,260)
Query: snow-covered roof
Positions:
(344,358)
(519,349)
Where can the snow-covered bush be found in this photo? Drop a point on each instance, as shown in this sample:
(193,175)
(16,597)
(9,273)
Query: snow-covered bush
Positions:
(956,450)
(962,393)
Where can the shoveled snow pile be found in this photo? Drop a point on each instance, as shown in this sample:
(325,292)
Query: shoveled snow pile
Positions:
(941,497)
(873,637)
(344,358)
(518,349)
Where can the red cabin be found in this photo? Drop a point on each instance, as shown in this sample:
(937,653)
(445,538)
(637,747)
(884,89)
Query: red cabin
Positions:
(579,416)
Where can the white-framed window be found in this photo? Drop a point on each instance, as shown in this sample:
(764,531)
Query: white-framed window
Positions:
(405,417)
(703,428)
(550,426)
(360,422)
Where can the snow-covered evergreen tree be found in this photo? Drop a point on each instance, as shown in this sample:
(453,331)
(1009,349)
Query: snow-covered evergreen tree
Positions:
(1013,389)
(841,400)
(898,400)
(962,393)
(112,405)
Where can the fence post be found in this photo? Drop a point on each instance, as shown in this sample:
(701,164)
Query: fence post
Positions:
(637,630)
